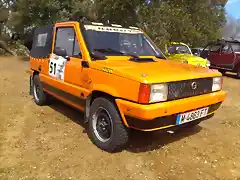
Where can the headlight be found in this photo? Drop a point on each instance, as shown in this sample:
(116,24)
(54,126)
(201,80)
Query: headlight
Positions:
(208,63)
(158,92)
(217,84)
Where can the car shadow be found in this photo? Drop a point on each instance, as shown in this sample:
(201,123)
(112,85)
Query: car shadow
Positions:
(232,75)
(72,113)
(139,141)
(149,141)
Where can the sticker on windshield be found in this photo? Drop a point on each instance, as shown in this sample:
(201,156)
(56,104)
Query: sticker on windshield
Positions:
(112,29)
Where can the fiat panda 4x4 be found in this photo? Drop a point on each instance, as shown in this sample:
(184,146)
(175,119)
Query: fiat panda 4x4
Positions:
(120,79)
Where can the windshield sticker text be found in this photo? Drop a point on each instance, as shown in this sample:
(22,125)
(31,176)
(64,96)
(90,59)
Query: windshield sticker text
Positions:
(112,29)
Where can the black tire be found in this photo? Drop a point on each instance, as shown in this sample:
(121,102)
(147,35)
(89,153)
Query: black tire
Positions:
(40,97)
(238,73)
(222,71)
(102,112)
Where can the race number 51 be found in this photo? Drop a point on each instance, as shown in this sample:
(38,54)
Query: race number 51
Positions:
(52,68)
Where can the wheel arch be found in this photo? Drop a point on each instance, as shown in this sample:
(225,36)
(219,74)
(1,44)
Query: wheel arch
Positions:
(96,94)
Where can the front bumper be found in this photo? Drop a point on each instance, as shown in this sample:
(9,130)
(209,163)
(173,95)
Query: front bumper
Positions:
(163,115)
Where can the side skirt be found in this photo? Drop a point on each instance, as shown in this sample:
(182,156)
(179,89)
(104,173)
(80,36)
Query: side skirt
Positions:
(68,98)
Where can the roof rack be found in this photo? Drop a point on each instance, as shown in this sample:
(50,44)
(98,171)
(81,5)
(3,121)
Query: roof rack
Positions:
(86,21)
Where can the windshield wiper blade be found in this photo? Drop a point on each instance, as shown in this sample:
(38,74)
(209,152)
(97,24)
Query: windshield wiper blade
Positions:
(97,56)
(115,51)
(108,50)
(132,55)
(160,57)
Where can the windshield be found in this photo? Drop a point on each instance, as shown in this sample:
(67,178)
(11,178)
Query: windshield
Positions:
(194,51)
(178,49)
(111,41)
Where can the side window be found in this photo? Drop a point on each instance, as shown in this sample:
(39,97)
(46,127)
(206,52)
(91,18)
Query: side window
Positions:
(215,48)
(76,48)
(66,39)
(227,48)
(41,40)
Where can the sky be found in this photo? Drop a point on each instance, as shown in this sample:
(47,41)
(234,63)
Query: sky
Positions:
(233,8)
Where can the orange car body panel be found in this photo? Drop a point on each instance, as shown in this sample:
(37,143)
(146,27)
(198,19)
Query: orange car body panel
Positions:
(121,78)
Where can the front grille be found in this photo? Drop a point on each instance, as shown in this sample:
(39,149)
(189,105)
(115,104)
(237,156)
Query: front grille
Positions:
(183,89)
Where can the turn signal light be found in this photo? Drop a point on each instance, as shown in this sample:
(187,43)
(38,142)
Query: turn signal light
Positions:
(144,94)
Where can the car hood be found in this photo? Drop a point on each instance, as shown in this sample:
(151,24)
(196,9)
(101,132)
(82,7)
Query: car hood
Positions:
(153,72)
(188,57)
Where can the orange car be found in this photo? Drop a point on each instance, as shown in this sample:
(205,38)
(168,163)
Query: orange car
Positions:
(120,79)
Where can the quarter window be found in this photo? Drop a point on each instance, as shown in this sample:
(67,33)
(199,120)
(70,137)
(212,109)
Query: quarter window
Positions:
(41,40)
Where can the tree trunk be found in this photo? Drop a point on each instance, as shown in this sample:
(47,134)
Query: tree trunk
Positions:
(3,45)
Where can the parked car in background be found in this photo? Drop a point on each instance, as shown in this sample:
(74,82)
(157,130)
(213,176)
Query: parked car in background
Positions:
(196,51)
(181,52)
(224,55)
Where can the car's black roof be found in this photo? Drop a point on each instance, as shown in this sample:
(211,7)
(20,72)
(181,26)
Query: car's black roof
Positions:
(223,41)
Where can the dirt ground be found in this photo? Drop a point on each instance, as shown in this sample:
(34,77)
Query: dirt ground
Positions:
(50,142)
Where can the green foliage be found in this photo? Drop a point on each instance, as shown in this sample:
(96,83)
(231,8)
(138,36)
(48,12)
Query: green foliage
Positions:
(191,21)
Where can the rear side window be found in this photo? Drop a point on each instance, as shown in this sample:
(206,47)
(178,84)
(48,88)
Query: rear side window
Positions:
(41,40)
(66,39)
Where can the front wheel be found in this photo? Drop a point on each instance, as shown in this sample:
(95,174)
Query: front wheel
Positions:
(105,127)
(238,73)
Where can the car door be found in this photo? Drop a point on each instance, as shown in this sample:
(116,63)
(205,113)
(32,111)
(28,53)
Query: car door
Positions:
(214,54)
(71,76)
(227,57)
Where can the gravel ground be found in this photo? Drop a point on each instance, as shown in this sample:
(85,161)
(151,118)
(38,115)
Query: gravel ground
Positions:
(50,142)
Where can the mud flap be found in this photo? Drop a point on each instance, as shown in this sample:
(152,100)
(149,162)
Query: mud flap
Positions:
(87,109)
(30,86)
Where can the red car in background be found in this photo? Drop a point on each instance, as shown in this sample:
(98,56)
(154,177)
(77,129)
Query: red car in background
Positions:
(223,55)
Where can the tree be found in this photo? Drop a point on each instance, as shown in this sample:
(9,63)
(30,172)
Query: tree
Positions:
(192,21)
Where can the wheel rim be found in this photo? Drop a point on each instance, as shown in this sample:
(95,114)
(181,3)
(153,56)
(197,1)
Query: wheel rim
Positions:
(102,124)
(36,91)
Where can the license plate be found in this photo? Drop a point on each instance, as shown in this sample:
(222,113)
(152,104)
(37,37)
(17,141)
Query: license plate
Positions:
(191,116)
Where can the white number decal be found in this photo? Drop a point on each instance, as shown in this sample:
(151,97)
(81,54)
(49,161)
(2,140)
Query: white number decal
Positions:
(57,67)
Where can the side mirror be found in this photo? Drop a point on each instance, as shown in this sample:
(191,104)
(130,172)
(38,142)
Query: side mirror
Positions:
(61,52)
(85,64)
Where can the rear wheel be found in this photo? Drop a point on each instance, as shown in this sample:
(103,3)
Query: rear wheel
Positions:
(222,71)
(40,97)
(238,73)
(105,127)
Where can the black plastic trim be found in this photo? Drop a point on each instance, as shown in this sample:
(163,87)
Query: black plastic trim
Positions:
(76,100)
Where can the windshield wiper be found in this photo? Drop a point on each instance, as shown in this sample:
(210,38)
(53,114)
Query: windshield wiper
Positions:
(160,57)
(110,50)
